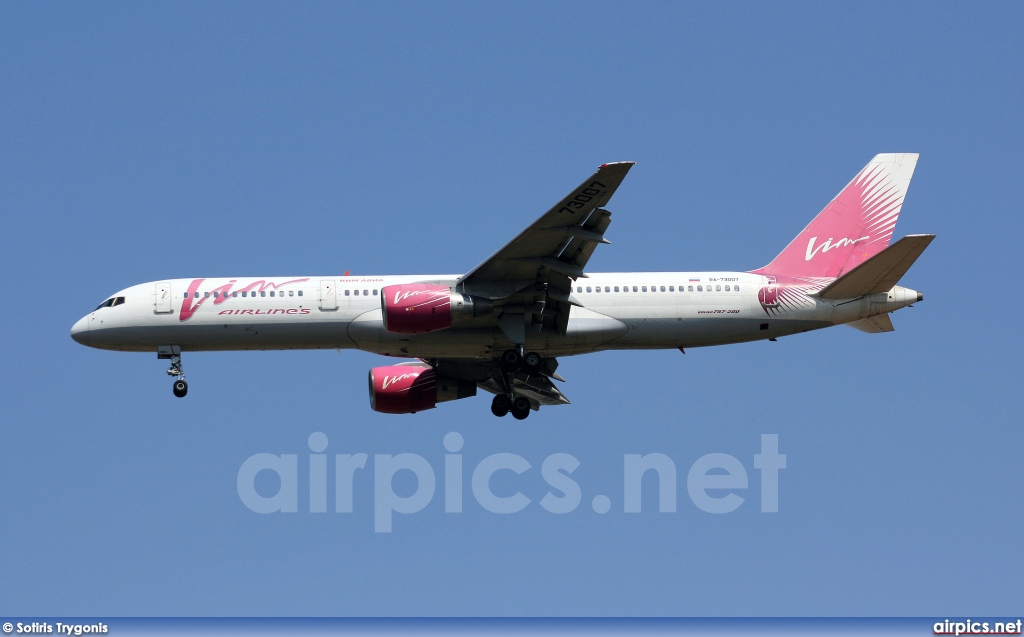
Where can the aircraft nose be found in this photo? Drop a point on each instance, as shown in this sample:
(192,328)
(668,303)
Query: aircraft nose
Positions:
(80,331)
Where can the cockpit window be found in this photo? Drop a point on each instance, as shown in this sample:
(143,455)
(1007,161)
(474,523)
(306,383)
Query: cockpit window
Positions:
(112,301)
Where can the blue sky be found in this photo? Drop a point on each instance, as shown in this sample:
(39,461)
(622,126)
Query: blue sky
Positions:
(144,142)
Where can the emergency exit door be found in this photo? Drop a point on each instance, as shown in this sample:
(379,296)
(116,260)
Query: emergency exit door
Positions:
(162,300)
(328,296)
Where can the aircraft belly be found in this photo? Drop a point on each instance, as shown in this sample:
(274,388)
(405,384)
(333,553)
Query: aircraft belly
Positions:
(699,332)
(249,335)
(585,334)
(368,333)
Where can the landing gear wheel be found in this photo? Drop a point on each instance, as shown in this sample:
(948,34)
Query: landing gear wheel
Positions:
(180,388)
(520,408)
(532,361)
(173,352)
(500,405)
(511,359)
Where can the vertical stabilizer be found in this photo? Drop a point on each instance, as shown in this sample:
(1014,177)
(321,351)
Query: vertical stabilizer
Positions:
(854,226)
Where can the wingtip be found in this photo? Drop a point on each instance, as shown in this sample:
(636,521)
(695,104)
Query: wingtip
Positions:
(617,163)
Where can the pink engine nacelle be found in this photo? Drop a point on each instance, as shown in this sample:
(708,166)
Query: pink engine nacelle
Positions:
(406,389)
(418,308)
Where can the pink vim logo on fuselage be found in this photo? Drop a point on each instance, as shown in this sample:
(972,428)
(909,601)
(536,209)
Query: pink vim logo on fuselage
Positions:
(828,245)
(223,293)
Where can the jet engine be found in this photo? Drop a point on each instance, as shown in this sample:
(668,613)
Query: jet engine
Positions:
(406,389)
(418,308)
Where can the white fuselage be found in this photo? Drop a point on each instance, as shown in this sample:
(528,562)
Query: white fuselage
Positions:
(620,310)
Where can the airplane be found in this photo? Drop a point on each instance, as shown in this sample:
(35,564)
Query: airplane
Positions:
(501,326)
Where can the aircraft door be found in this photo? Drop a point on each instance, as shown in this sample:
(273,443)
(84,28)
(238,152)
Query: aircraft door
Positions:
(162,300)
(328,295)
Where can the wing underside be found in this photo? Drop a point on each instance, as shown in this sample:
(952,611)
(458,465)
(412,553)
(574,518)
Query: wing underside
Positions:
(488,375)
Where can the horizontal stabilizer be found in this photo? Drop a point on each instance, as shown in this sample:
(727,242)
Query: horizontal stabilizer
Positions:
(874,325)
(881,272)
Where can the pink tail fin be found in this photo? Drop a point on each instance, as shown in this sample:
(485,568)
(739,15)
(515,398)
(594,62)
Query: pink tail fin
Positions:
(854,226)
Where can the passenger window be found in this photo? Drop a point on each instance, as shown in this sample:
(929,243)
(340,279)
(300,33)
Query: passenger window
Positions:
(347,292)
(736,288)
(300,292)
(727,288)
(718,288)
(263,293)
(355,292)
(607,289)
(588,289)
(689,288)
(234,295)
(291,292)
(375,292)
(579,289)
(206,295)
(634,288)
(700,289)
(186,295)
(271,293)
(671,288)
(645,288)
(616,288)
(663,288)
(597,289)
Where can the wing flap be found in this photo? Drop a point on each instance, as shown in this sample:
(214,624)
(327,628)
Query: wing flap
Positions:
(539,389)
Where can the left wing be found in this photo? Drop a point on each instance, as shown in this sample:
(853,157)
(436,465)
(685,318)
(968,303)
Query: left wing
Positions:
(530,278)
(536,386)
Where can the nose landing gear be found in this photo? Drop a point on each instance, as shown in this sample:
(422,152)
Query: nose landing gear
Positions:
(180,388)
(173,352)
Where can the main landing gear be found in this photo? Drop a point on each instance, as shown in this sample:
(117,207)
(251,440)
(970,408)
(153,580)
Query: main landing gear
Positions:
(173,352)
(514,360)
(519,406)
